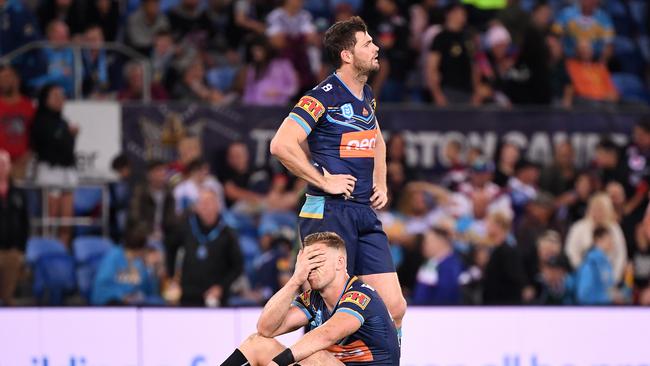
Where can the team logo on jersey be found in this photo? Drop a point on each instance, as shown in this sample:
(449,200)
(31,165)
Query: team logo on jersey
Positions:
(359,144)
(347,111)
(365,112)
(312,106)
(358,298)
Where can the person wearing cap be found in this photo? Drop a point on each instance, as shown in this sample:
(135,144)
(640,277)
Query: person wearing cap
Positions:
(494,64)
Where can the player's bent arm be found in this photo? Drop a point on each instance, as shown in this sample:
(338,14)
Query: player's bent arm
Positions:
(379,173)
(339,326)
(278,309)
(286,146)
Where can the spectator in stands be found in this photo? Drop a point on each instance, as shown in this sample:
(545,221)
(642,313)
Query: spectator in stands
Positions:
(506,161)
(99,66)
(496,65)
(249,17)
(66,11)
(192,86)
(126,275)
(393,40)
(120,192)
(144,24)
(190,23)
(559,79)
(188,149)
(134,75)
(577,200)
(16,116)
(556,285)
(292,32)
(558,177)
(162,57)
(106,14)
(423,15)
(14,230)
(641,257)
(450,73)
(523,186)
(212,259)
(637,159)
(198,178)
(585,21)
(438,278)
(59,59)
(236,177)
(596,281)
(267,80)
(591,82)
(607,162)
(600,212)
(19,26)
(53,141)
(504,278)
(153,205)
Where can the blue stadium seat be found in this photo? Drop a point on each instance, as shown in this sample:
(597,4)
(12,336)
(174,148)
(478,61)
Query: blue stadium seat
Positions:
(631,88)
(38,247)
(88,253)
(54,277)
(87,200)
(638,10)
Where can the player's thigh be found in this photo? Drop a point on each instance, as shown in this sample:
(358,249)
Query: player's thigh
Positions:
(388,287)
(260,350)
(321,358)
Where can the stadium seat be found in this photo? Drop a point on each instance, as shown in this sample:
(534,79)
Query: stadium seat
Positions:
(88,253)
(38,247)
(87,200)
(54,277)
(631,88)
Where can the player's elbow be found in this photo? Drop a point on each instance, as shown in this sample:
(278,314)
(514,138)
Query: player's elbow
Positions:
(263,329)
(278,147)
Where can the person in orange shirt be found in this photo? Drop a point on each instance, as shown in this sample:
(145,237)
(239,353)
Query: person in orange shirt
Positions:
(590,80)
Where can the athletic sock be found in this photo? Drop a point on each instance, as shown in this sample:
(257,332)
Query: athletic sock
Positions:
(236,359)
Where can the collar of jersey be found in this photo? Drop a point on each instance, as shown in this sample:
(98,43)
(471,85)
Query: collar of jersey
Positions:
(348,89)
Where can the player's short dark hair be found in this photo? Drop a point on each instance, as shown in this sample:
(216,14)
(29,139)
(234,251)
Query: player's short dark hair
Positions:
(329,238)
(342,36)
(600,232)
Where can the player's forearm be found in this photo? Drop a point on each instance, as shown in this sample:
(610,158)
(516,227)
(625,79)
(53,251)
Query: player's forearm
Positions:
(379,173)
(294,158)
(276,309)
(314,341)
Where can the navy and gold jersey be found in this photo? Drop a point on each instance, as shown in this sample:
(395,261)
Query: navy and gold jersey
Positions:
(342,133)
(374,343)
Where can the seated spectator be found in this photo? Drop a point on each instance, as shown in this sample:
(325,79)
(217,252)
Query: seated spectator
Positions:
(53,141)
(192,87)
(292,31)
(153,205)
(504,278)
(600,212)
(144,24)
(590,81)
(16,117)
(508,155)
(596,282)
(577,200)
(236,177)
(14,230)
(267,80)
(127,275)
(523,186)
(449,68)
(22,26)
(162,56)
(607,163)
(188,149)
(198,178)
(558,177)
(500,82)
(134,75)
(190,23)
(99,66)
(438,278)
(585,21)
(212,259)
(223,71)
(106,14)
(58,60)
(120,192)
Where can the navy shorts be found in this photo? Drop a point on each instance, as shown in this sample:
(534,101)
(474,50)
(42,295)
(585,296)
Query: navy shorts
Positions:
(367,244)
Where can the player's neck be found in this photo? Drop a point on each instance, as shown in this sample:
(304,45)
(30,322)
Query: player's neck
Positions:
(332,293)
(353,80)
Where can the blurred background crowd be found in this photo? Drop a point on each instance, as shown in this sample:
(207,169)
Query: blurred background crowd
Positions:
(483,230)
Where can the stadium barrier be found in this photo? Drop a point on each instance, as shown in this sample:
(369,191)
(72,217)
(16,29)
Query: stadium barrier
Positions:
(432,336)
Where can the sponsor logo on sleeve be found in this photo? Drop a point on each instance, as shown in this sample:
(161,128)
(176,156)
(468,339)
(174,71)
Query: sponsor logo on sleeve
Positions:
(358,298)
(312,106)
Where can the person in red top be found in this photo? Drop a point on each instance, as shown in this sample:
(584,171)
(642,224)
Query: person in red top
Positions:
(16,114)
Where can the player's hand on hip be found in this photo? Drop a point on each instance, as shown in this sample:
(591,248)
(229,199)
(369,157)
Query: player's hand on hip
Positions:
(339,183)
(379,197)
(308,259)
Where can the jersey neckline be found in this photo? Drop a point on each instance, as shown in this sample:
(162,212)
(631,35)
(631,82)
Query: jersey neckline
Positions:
(363,92)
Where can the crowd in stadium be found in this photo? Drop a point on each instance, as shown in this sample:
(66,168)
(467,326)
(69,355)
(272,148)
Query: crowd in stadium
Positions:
(484,231)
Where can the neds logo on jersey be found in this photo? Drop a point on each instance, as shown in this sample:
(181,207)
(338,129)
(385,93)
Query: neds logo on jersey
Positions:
(312,106)
(359,144)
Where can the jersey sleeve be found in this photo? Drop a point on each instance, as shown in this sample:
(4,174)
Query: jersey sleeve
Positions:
(302,302)
(355,302)
(309,110)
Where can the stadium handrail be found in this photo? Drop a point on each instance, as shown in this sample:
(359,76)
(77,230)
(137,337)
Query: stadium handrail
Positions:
(76,49)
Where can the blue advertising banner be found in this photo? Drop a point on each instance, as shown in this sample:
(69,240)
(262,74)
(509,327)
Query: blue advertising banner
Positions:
(152,131)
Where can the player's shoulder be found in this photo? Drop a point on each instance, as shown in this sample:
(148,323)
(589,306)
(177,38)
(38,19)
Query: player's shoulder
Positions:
(325,90)
(358,293)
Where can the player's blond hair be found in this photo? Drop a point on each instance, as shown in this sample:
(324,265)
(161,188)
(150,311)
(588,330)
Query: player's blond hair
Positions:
(329,238)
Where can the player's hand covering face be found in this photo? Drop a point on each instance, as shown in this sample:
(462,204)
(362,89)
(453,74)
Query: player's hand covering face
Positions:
(308,259)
